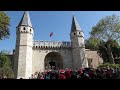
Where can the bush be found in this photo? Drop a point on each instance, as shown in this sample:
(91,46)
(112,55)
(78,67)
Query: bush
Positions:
(5,61)
(6,71)
(5,66)
(110,65)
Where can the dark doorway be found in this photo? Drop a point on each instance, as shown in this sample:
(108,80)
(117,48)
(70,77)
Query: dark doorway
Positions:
(53,60)
(52,65)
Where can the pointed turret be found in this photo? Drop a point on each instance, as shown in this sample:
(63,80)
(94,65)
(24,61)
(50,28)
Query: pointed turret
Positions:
(25,21)
(75,25)
(78,46)
(23,51)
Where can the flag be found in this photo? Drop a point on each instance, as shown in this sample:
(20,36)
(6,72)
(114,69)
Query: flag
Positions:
(51,34)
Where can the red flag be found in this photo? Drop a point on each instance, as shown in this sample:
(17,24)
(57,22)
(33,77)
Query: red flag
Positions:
(51,34)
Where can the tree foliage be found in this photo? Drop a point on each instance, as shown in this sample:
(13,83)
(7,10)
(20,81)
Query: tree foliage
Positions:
(105,36)
(103,52)
(5,66)
(107,29)
(4,25)
(4,61)
(106,65)
(92,43)
(6,71)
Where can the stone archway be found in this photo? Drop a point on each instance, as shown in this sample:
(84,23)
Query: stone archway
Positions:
(53,59)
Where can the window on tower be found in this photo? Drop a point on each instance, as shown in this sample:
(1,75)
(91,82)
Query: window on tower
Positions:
(24,28)
(30,30)
(74,33)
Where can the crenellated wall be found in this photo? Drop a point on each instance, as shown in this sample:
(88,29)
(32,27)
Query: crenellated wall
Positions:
(51,44)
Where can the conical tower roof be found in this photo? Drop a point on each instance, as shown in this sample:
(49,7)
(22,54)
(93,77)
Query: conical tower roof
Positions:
(25,21)
(75,25)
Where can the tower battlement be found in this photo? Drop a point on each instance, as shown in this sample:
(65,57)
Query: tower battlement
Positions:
(51,44)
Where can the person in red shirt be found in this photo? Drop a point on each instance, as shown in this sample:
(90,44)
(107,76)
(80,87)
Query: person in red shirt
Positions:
(62,74)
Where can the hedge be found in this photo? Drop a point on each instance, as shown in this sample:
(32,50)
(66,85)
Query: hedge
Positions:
(110,65)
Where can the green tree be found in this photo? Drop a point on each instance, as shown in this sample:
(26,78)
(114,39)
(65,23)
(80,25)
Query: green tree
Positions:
(101,47)
(5,66)
(107,30)
(4,61)
(6,71)
(95,44)
(4,26)
(114,48)
(92,43)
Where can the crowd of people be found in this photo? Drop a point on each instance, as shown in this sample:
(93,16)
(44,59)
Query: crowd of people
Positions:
(82,73)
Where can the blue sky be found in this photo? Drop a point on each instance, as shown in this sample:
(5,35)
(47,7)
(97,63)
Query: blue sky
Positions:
(58,22)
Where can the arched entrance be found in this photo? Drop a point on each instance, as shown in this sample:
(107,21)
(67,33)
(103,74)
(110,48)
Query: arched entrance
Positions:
(53,60)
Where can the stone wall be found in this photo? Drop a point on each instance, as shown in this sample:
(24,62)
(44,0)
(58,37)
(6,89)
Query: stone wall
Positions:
(39,55)
(96,60)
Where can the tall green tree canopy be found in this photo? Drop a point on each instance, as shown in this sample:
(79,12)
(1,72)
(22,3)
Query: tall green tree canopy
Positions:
(4,26)
(107,29)
(105,34)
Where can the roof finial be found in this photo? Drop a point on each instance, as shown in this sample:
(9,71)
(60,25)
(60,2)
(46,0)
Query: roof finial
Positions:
(73,13)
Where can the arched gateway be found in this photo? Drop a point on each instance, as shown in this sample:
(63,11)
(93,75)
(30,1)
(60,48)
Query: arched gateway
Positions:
(53,60)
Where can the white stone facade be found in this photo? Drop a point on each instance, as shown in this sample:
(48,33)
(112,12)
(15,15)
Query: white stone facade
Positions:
(32,56)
